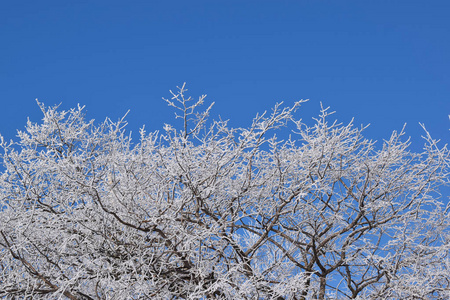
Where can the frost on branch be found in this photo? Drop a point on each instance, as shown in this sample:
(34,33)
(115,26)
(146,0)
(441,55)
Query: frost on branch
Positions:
(213,212)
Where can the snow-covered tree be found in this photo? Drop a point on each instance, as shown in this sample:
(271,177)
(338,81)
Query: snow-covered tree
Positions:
(206,211)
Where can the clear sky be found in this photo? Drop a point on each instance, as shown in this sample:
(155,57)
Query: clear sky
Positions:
(382,62)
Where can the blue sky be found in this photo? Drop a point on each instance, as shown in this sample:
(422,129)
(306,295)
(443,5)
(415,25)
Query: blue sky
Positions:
(382,62)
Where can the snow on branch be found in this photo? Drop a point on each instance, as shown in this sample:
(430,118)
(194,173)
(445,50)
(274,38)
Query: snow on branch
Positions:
(206,211)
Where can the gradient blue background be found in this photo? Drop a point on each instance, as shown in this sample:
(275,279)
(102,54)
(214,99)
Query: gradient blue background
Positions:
(382,62)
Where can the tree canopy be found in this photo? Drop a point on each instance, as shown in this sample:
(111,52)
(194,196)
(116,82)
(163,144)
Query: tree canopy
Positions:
(206,211)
